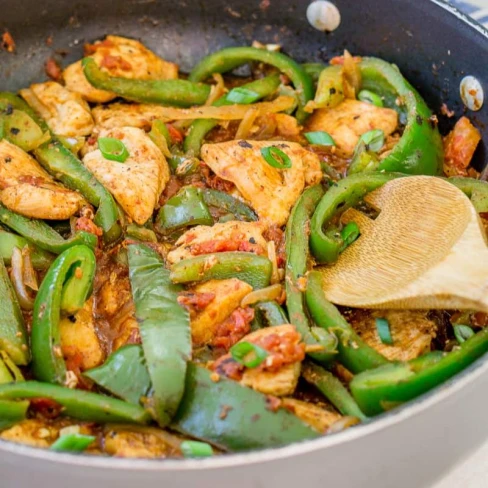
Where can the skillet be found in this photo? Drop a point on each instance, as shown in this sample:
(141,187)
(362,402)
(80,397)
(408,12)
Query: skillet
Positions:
(435,47)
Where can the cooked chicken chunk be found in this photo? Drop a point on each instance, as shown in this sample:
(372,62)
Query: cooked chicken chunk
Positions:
(126,115)
(228,296)
(27,189)
(270,191)
(122,57)
(350,119)
(66,113)
(412,332)
(137,183)
(143,442)
(79,341)
(315,416)
(228,236)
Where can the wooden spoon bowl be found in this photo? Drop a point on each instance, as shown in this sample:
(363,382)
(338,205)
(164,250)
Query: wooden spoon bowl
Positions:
(426,249)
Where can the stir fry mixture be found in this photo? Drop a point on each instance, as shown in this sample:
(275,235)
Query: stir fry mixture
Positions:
(160,236)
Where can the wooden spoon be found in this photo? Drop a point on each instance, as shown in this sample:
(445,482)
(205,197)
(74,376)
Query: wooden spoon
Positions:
(426,249)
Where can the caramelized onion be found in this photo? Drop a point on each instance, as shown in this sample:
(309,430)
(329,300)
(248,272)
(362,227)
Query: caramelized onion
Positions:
(272,292)
(26,301)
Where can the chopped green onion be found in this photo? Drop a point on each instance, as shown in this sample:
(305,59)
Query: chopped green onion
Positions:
(113,149)
(193,449)
(72,442)
(349,234)
(374,139)
(320,138)
(248,354)
(383,328)
(370,97)
(275,157)
(463,333)
(242,95)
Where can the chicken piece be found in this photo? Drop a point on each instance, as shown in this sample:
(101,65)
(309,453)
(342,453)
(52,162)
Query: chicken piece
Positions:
(227,236)
(228,296)
(27,189)
(126,115)
(145,442)
(350,119)
(270,191)
(137,183)
(313,415)
(79,341)
(122,57)
(412,332)
(66,113)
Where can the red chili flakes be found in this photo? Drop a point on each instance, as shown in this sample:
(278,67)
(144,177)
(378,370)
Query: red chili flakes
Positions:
(195,302)
(8,42)
(115,62)
(224,411)
(460,145)
(175,134)
(445,111)
(234,328)
(53,70)
(84,223)
(273,403)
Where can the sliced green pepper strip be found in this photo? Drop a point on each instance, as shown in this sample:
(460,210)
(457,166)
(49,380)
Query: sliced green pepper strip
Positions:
(248,267)
(224,201)
(19,104)
(420,149)
(388,386)
(42,235)
(79,404)
(66,167)
(348,192)
(165,330)
(354,353)
(185,209)
(12,413)
(330,91)
(297,257)
(40,258)
(314,70)
(141,233)
(168,92)
(248,423)
(200,128)
(72,442)
(332,388)
(476,190)
(13,336)
(271,312)
(126,363)
(232,57)
(66,286)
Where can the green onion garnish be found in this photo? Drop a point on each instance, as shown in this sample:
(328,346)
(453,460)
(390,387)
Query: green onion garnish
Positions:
(113,149)
(349,234)
(242,95)
(462,333)
(370,97)
(248,354)
(72,442)
(320,138)
(374,139)
(383,328)
(276,157)
(193,449)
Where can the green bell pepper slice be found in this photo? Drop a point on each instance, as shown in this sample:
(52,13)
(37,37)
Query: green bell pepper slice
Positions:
(183,93)
(42,235)
(200,128)
(232,57)
(185,209)
(475,190)
(126,362)
(248,267)
(66,286)
(389,386)
(165,330)
(12,413)
(270,314)
(297,257)
(40,259)
(247,424)
(228,203)
(13,335)
(353,352)
(79,404)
